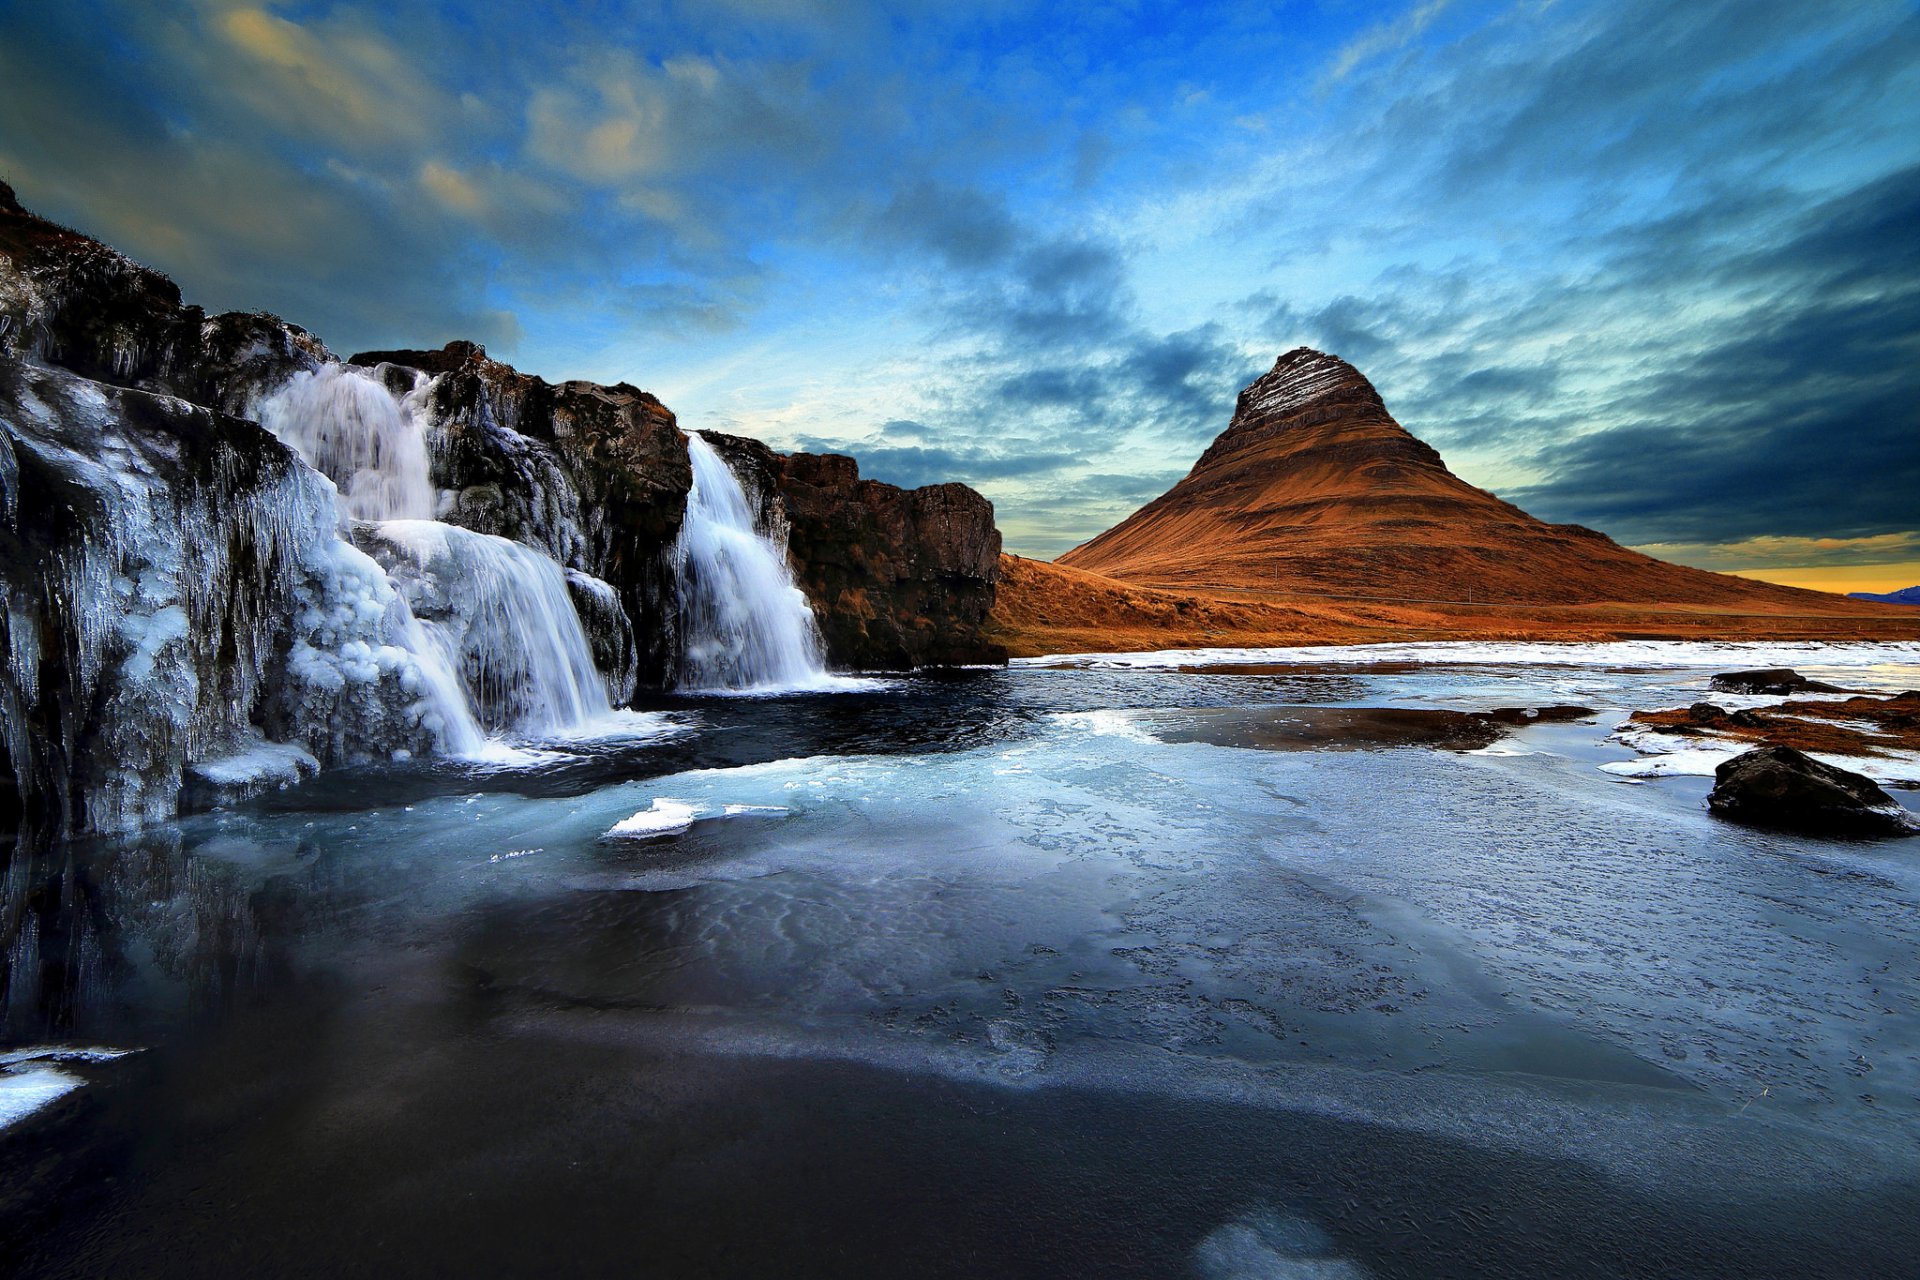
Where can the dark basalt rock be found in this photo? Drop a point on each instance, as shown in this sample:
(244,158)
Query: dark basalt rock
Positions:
(1714,716)
(1769,680)
(1776,786)
(69,300)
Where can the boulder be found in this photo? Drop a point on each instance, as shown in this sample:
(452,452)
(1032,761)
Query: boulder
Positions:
(1775,786)
(1769,680)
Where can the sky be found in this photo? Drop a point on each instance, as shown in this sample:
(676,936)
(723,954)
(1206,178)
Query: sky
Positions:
(1649,267)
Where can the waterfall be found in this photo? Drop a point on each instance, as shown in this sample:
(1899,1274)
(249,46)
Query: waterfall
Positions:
(744,625)
(489,622)
(349,428)
(499,615)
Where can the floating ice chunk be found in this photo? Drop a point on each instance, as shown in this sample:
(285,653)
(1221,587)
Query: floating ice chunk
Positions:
(662,818)
(666,817)
(61,1053)
(1666,755)
(262,762)
(257,767)
(31,1078)
(1264,1245)
(1105,723)
(28,1089)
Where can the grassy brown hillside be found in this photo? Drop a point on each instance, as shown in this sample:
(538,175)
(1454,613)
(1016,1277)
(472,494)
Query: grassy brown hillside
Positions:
(1050,608)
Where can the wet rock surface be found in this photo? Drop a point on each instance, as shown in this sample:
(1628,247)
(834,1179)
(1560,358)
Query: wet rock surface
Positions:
(1335,729)
(1777,786)
(1770,680)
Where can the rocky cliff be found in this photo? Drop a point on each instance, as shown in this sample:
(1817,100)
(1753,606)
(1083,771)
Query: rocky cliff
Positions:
(598,476)
(192,609)
(1315,489)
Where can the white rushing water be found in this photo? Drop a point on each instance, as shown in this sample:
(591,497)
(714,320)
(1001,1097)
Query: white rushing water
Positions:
(745,626)
(499,616)
(489,622)
(349,427)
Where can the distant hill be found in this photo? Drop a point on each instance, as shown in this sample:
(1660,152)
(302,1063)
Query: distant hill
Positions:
(1905,595)
(1314,489)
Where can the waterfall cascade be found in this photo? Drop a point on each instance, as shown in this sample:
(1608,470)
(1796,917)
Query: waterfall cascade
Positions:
(490,623)
(498,613)
(350,428)
(744,624)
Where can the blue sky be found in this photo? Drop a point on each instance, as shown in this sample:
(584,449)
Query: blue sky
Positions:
(1649,267)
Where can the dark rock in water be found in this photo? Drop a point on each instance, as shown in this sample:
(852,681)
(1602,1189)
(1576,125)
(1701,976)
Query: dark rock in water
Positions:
(1520,717)
(1777,786)
(1712,715)
(1312,728)
(1769,680)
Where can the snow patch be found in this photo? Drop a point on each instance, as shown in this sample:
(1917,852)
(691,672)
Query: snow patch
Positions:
(31,1078)
(1667,755)
(666,817)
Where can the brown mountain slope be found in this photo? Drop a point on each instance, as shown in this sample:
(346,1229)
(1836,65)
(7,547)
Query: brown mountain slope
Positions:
(1314,489)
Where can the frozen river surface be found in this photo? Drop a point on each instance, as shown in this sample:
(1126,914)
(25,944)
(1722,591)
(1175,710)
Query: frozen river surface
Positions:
(1001,974)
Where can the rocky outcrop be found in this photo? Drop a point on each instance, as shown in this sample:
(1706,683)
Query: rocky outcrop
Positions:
(1314,489)
(71,301)
(1777,786)
(597,476)
(899,578)
(187,617)
(1781,681)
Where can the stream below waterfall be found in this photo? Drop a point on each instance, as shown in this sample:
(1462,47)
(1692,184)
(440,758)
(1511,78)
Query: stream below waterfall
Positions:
(996,973)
